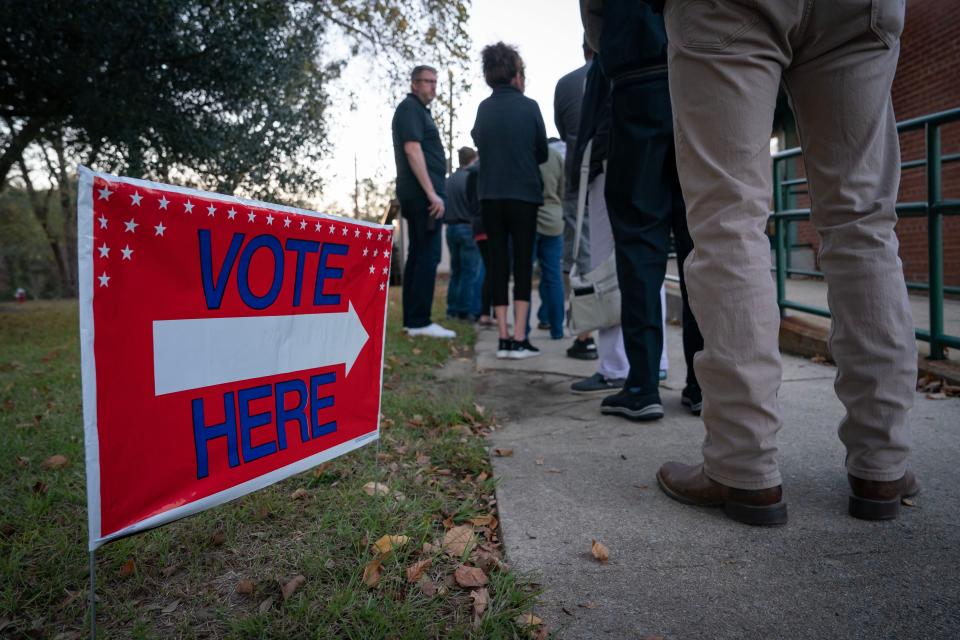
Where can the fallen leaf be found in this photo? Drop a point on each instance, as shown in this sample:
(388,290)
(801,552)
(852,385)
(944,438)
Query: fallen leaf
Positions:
(320,470)
(481,598)
(538,461)
(376,488)
(265,605)
(292,585)
(128,568)
(542,633)
(372,572)
(448,523)
(600,551)
(503,453)
(218,538)
(468,577)
(936,396)
(417,569)
(169,570)
(423,459)
(416,351)
(55,462)
(484,521)
(483,476)
(22,461)
(245,586)
(908,502)
(386,544)
(588,605)
(528,620)
(299,494)
(170,608)
(416,420)
(479,408)
(457,540)
(428,587)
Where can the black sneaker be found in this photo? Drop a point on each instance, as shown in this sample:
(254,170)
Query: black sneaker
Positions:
(597,382)
(632,406)
(523,350)
(583,350)
(692,398)
(504,347)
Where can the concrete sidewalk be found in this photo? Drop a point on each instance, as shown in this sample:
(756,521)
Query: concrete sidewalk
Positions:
(681,572)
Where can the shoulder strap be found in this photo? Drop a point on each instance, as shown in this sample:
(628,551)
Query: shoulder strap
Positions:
(582,198)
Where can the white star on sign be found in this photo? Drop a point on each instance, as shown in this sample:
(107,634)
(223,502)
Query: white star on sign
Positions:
(372,269)
(303,224)
(127,252)
(231,213)
(270,219)
(104,279)
(344,229)
(381,286)
(369,233)
(386,254)
(103,221)
(365,251)
(164,202)
(131,225)
(331,228)
(379,236)
(104,250)
(317,227)
(188,207)
(211,210)
(105,193)
(286,222)
(160,229)
(135,199)
(251,217)
(385,270)
(375,252)
(356,233)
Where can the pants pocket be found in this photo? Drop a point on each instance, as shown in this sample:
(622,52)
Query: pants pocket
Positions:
(886,20)
(711,25)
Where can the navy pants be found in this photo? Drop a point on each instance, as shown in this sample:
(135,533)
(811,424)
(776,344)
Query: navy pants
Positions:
(420,272)
(645,204)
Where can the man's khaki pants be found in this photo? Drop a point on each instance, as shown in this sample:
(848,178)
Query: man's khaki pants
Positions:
(836,60)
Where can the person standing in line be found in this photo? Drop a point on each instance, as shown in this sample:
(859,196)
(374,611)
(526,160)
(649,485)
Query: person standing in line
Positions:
(421,167)
(567,98)
(548,245)
(837,62)
(644,199)
(464,254)
(482,300)
(512,142)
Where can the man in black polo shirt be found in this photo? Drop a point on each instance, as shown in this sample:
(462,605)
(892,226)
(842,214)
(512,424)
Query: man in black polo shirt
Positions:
(421,169)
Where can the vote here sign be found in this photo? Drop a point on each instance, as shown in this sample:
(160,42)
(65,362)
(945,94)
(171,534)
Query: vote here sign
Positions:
(226,344)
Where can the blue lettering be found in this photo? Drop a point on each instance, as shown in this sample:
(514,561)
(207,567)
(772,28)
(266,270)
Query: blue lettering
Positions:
(297,413)
(214,292)
(302,247)
(317,404)
(249,422)
(203,433)
(324,272)
(243,272)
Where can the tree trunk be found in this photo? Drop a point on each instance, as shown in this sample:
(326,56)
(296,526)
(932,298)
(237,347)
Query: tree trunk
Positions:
(66,187)
(41,210)
(18,142)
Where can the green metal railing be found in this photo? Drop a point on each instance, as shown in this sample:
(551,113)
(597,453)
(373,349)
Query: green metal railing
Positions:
(934,209)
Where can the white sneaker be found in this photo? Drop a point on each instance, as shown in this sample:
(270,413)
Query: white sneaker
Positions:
(432,330)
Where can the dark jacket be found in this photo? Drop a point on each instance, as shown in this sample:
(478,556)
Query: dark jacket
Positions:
(629,33)
(510,137)
(594,121)
(476,216)
(461,200)
(567,97)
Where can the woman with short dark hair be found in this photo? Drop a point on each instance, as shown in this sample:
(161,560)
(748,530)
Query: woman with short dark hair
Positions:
(512,140)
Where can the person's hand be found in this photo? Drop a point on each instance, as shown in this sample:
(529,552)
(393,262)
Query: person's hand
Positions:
(436,207)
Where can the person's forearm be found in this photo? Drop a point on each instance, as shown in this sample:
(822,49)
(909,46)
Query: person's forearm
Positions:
(418,164)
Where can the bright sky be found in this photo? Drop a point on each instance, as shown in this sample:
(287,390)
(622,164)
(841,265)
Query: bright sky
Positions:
(547,33)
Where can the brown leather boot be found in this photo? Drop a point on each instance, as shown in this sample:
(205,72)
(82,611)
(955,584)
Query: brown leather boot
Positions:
(877,500)
(690,485)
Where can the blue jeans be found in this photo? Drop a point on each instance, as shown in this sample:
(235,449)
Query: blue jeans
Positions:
(548,251)
(464,269)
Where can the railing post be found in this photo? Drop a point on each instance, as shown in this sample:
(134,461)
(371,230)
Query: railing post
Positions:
(779,235)
(935,241)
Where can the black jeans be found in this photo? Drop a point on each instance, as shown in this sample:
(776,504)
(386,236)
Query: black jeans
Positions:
(510,222)
(420,272)
(486,300)
(645,204)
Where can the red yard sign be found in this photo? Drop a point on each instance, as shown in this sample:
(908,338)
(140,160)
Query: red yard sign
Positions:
(226,344)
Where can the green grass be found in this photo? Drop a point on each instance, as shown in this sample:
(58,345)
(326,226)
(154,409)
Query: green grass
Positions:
(185,574)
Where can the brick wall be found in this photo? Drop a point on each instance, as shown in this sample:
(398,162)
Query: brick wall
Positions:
(927,81)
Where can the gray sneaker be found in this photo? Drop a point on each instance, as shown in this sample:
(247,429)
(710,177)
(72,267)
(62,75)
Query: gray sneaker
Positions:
(597,382)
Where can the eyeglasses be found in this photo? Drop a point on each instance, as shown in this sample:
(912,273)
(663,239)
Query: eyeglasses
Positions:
(428,81)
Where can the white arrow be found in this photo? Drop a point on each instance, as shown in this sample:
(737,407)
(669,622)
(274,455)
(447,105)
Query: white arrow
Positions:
(201,352)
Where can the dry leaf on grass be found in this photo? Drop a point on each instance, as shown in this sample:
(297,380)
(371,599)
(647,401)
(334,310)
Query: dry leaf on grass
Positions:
(245,586)
(483,476)
(386,544)
(528,620)
(428,587)
(600,551)
(416,421)
(484,521)
(417,569)
(372,572)
(479,408)
(170,608)
(376,488)
(457,540)
(481,598)
(319,471)
(468,577)
(128,568)
(218,538)
(299,494)
(423,460)
(503,453)
(265,605)
(292,585)
(22,461)
(55,462)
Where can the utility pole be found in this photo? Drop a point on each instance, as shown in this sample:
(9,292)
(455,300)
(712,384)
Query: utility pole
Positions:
(450,123)
(356,189)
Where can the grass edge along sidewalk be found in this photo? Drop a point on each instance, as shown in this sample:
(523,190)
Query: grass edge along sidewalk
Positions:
(306,557)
